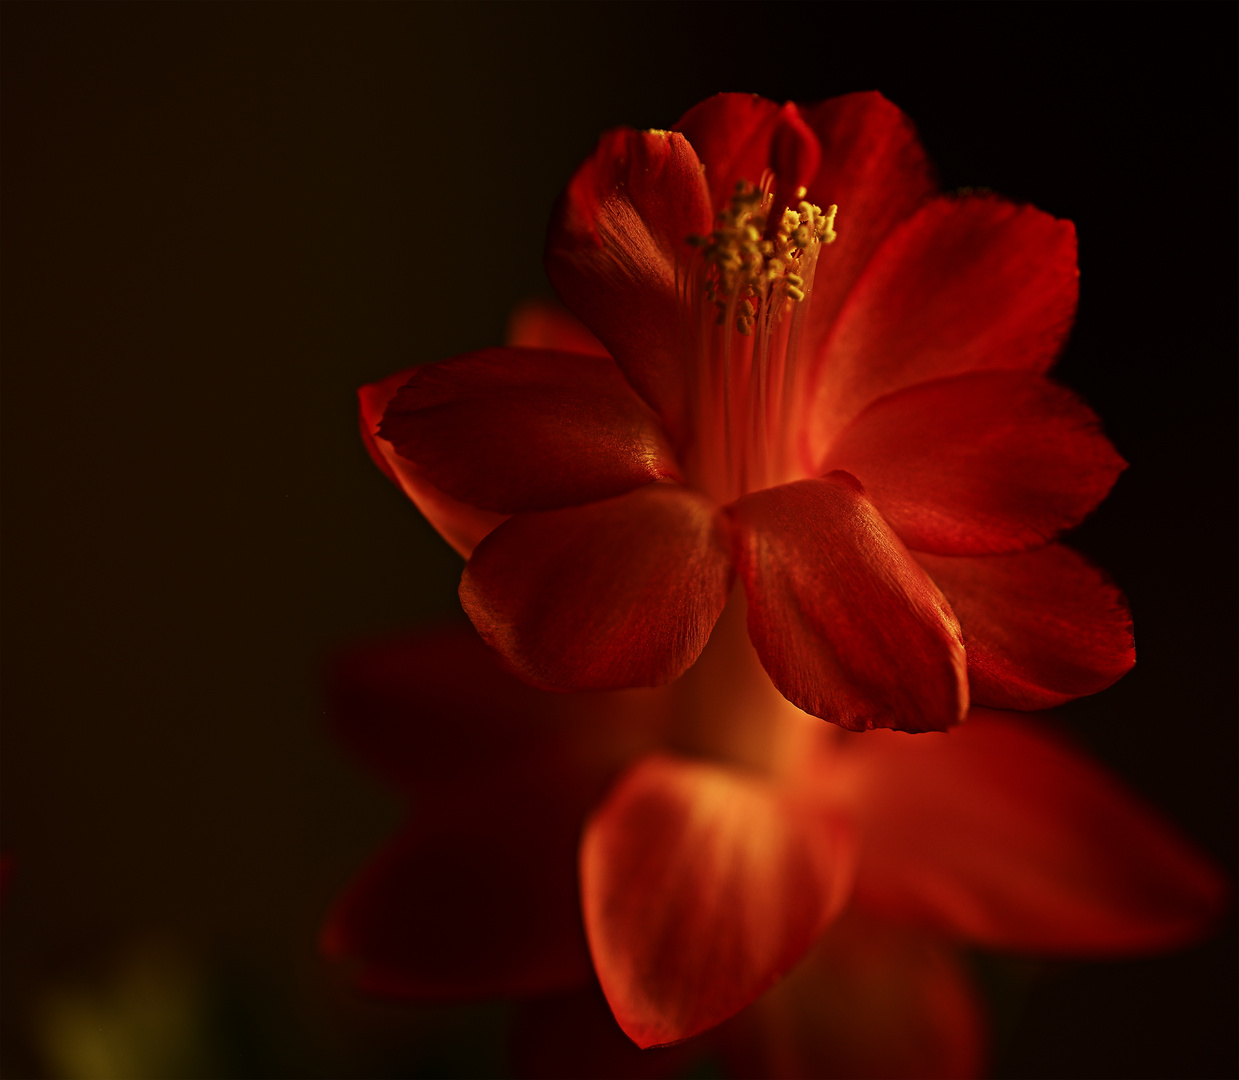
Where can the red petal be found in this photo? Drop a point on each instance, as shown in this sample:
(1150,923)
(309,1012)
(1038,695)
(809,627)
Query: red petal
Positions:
(999,834)
(437,707)
(1040,628)
(539,324)
(527,429)
(848,626)
(616,593)
(870,1000)
(731,134)
(459,524)
(874,169)
(700,887)
(616,239)
(477,896)
(966,284)
(978,464)
(739,136)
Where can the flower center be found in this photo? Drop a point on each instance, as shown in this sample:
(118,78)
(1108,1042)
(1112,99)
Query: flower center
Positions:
(745,296)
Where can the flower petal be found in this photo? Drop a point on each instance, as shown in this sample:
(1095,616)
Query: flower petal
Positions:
(999,834)
(979,464)
(616,239)
(616,593)
(459,524)
(539,324)
(1040,628)
(844,620)
(870,1000)
(966,284)
(875,170)
(437,707)
(701,886)
(477,895)
(526,429)
(739,136)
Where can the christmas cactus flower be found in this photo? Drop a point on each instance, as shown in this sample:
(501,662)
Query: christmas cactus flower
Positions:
(803,367)
(689,846)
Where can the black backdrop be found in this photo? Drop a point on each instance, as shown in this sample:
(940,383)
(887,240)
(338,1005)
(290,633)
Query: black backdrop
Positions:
(219,219)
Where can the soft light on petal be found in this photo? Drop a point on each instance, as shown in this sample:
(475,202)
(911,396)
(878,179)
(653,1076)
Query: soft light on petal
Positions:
(999,834)
(983,463)
(1040,628)
(845,621)
(617,593)
(738,137)
(871,1001)
(875,170)
(701,885)
(965,284)
(526,429)
(616,241)
(460,524)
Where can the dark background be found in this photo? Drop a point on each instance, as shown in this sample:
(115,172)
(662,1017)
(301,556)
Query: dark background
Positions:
(218,220)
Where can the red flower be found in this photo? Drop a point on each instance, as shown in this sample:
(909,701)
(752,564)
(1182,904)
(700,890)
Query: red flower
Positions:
(858,425)
(692,844)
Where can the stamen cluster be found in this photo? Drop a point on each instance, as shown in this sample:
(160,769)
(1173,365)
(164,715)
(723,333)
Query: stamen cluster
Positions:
(746,267)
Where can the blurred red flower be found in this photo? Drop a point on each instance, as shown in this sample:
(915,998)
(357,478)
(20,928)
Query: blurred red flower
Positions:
(858,425)
(692,844)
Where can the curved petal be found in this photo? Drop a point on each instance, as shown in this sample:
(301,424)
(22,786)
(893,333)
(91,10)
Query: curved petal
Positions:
(700,886)
(616,243)
(1040,628)
(740,136)
(526,429)
(476,896)
(540,324)
(871,1000)
(965,284)
(999,834)
(875,170)
(436,707)
(616,593)
(979,464)
(844,620)
(459,524)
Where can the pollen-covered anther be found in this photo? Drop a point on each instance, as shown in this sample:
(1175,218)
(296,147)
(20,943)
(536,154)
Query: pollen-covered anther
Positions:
(741,263)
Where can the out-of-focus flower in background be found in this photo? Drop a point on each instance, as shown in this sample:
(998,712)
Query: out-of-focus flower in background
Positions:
(847,410)
(726,838)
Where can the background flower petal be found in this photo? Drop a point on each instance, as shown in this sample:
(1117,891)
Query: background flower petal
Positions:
(1040,628)
(701,885)
(460,524)
(476,896)
(540,324)
(616,239)
(844,620)
(1000,834)
(870,1000)
(526,429)
(437,707)
(980,463)
(616,593)
(965,284)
